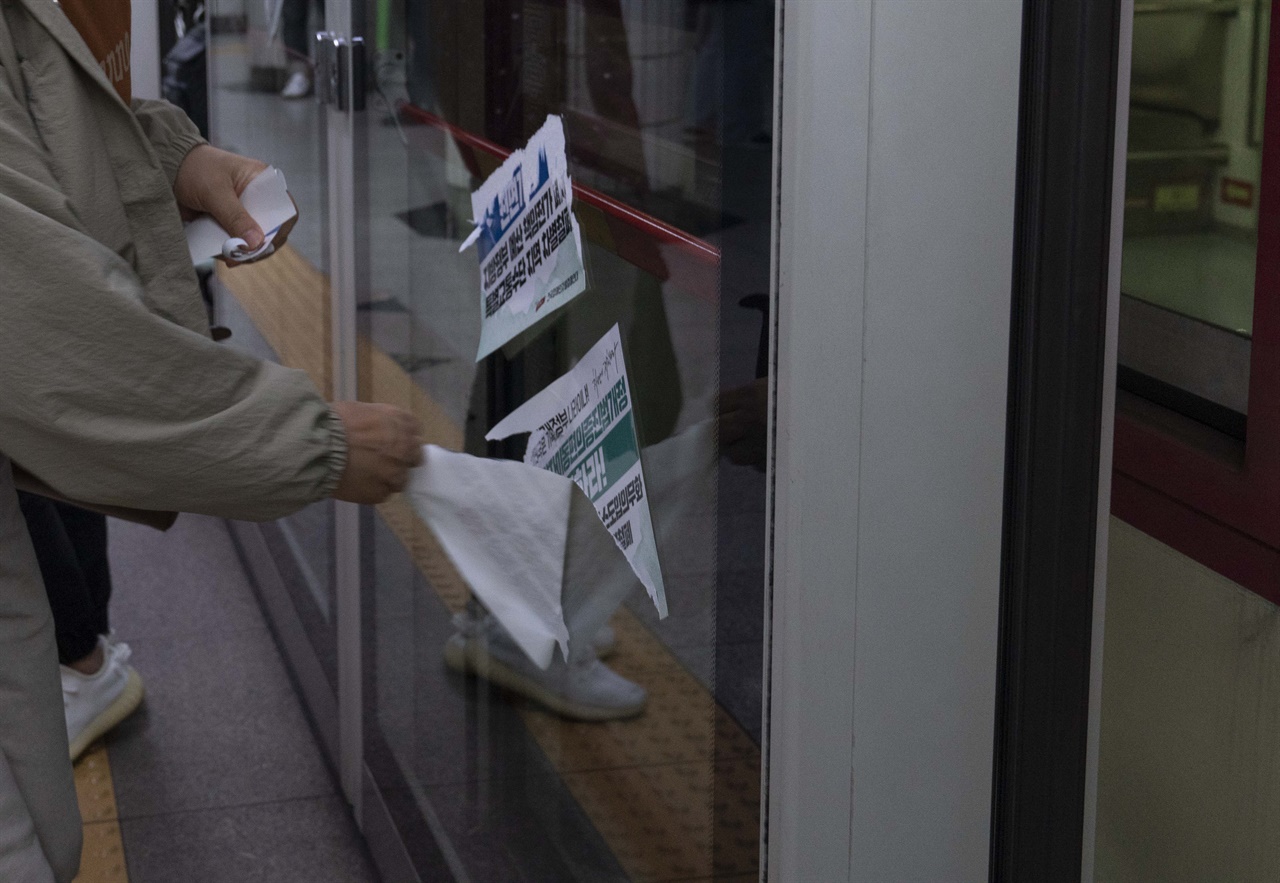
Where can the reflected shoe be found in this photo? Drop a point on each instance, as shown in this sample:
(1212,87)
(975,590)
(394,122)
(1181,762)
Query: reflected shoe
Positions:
(582,690)
(94,704)
(605,642)
(297,86)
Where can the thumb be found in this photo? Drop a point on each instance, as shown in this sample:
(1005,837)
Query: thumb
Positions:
(229,212)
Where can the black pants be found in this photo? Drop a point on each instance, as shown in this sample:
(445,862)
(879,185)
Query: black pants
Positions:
(293,28)
(71,546)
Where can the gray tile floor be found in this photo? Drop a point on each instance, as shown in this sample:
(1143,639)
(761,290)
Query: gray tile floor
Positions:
(218,777)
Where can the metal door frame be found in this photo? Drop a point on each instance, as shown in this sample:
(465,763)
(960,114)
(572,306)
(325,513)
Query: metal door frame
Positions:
(1061,425)
(342,155)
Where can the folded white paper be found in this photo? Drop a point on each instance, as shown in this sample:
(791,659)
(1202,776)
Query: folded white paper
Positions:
(267,201)
(504,526)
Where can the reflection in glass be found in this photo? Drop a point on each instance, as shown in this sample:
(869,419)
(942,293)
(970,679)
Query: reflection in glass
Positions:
(1187,784)
(667,110)
(485,761)
(1191,205)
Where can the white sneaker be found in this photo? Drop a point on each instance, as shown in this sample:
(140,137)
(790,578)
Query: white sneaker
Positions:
(297,86)
(586,690)
(95,703)
(605,642)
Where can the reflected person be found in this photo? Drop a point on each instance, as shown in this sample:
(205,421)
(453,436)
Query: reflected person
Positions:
(294,17)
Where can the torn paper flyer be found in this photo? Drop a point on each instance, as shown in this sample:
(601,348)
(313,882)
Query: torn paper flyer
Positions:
(529,241)
(582,426)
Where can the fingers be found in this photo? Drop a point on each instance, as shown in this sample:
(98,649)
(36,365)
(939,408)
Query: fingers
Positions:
(411,439)
(225,207)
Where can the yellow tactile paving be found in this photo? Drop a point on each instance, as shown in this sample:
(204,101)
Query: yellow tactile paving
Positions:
(425,551)
(682,723)
(383,380)
(102,858)
(671,822)
(292,311)
(675,792)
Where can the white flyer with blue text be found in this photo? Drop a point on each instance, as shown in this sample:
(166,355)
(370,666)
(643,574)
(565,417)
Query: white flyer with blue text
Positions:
(528,238)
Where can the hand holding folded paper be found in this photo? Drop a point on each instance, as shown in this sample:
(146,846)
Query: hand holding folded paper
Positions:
(267,201)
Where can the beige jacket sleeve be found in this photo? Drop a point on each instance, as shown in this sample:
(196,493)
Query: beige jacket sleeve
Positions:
(108,403)
(170,131)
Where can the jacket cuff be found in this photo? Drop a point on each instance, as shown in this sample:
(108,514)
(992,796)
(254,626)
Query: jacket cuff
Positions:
(336,461)
(171,133)
(173,153)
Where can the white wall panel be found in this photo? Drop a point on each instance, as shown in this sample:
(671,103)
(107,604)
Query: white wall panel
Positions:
(821,235)
(896,193)
(144,55)
(943,147)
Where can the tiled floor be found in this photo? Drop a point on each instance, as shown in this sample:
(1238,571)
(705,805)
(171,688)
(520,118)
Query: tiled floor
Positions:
(218,777)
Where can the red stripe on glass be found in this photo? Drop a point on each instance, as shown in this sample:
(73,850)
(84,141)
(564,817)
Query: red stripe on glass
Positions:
(690,260)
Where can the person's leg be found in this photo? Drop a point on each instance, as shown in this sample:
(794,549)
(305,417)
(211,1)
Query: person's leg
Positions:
(64,542)
(294,31)
(100,688)
(88,533)
(293,28)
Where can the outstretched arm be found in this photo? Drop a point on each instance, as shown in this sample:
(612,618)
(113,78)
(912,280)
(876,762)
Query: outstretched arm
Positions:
(108,403)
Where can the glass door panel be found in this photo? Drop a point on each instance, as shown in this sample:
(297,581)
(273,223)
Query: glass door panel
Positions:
(1191,207)
(667,110)
(1186,785)
(279,308)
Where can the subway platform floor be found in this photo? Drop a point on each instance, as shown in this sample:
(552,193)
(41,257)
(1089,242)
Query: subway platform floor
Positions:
(218,777)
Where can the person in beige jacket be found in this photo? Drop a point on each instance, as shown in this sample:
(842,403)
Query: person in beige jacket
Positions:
(111,391)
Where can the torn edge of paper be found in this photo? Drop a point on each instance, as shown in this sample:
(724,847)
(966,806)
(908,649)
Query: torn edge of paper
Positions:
(505,527)
(530,244)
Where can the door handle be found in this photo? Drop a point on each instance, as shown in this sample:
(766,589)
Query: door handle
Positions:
(351,74)
(326,67)
(341,74)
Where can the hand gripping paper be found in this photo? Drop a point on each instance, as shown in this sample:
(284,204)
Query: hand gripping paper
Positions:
(267,201)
